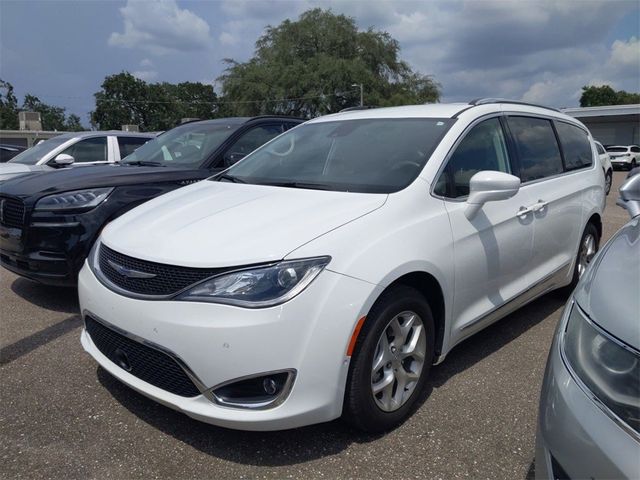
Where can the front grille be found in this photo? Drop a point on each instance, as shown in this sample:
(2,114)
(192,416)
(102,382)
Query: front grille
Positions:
(11,212)
(168,280)
(146,363)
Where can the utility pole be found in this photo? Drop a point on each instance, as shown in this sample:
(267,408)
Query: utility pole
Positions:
(361,92)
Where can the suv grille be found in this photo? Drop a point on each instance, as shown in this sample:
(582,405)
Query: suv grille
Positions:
(146,363)
(11,212)
(168,279)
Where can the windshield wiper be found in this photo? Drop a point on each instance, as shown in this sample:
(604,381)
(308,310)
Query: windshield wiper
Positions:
(231,178)
(307,185)
(144,163)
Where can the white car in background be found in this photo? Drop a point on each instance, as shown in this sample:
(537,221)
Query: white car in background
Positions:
(77,148)
(323,274)
(626,157)
(605,161)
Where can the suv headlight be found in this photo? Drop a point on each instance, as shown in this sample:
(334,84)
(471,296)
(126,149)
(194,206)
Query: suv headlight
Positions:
(606,366)
(75,200)
(258,287)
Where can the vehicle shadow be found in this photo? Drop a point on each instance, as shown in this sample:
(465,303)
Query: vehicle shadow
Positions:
(494,337)
(300,445)
(30,343)
(57,299)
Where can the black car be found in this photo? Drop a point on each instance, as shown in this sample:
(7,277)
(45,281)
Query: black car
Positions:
(49,221)
(7,152)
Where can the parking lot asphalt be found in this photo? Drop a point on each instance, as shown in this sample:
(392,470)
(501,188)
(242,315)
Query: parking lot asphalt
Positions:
(62,416)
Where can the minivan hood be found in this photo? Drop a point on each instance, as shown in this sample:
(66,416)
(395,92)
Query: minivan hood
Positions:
(610,291)
(13,170)
(216,224)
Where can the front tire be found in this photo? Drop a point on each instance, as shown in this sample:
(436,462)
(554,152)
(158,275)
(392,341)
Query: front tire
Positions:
(608,180)
(391,361)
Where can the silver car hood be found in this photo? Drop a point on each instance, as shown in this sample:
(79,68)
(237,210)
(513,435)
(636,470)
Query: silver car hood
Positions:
(609,292)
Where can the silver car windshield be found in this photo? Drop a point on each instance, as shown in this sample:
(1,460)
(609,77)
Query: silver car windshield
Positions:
(33,155)
(380,155)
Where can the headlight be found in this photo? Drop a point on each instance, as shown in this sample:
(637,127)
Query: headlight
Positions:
(76,200)
(258,287)
(607,367)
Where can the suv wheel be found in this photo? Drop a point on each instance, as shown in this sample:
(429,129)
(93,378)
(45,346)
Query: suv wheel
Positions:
(608,179)
(391,361)
(586,251)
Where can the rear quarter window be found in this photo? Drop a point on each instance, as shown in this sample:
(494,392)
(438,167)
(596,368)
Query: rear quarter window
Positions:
(575,146)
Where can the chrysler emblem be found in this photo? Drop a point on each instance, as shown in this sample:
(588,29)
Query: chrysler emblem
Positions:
(128,272)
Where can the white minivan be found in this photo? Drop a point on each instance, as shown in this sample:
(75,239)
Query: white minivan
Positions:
(326,272)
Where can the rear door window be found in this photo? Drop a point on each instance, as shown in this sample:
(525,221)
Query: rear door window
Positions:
(483,148)
(537,147)
(575,146)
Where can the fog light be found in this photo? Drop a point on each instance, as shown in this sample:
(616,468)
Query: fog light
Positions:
(269,386)
(256,392)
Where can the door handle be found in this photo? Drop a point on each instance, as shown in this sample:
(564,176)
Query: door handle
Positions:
(540,205)
(524,211)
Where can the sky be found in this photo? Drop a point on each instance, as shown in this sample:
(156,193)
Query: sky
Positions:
(536,51)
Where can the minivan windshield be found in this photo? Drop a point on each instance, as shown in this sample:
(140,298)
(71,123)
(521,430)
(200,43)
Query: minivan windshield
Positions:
(375,155)
(617,149)
(185,146)
(33,155)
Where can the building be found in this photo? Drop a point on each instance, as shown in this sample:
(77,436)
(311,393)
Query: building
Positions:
(610,125)
(25,138)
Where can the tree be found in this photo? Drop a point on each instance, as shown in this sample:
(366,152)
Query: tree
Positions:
(125,99)
(605,95)
(8,107)
(52,118)
(308,68)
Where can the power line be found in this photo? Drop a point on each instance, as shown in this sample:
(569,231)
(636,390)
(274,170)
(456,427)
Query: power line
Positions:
(198,102)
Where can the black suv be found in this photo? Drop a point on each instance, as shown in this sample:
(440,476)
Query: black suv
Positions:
(49,221)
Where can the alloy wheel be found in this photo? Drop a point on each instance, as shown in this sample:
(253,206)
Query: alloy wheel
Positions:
(587,252)
(398,361)
(607,183)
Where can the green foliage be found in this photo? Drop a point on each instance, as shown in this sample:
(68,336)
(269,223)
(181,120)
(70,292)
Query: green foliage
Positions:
(125,99)
(8,107)
(605,95)
(309,66)
(52,117)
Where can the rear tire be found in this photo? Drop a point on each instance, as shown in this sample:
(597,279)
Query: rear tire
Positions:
(589,244)
(392,357)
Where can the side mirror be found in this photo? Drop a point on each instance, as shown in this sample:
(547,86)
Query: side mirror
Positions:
(489,186)
(63,160)
(630,195)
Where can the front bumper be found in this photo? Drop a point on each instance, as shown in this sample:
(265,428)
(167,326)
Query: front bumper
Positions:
(575,438)
(219,343)
(50,251)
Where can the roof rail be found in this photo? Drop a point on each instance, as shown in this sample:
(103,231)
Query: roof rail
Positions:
(351,109)
(485,101)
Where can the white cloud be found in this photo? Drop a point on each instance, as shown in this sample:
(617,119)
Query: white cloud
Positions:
(145,62)
(227,38)
(161,27)
(146,75)
(626,55)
